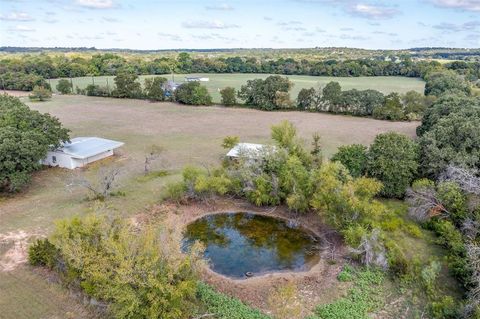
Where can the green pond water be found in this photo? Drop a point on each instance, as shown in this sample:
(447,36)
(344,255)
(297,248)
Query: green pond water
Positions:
(240,245)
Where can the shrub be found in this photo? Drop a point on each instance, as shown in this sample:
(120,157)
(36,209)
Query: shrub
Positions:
(444,308)
(346,274)
(295,182)
(263,94)
(154,88)
(127,86)
(42,253)
(230,141)
(451,238)
(452,140)
(398,263)
(284,302)
(263,192)
(353,157)
(344,202)
(393,160)
(452,197)
(282,100)
(40,93)
(96,90)
(139,275)
(229,96)
(392,109)
(175,192)
(22,81)
(64,86)
(306,99)
(199,184)
(437,83)
(429,276)
(193,93)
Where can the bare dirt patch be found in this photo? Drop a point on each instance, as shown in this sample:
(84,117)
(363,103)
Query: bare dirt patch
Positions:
(316,286)
(13,252)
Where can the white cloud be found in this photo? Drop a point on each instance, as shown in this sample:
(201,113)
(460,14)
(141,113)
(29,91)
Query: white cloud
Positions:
(451,27)
(353,37)
(372,11)
(16,16)
(289,23)
(469,5)
(220,7)
(96,4)
(169,36)
(50,20)
(214,24)
(361,9)
(212,36)
(21,28)
(109,19)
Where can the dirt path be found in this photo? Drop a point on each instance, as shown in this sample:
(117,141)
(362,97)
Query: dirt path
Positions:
(14,249)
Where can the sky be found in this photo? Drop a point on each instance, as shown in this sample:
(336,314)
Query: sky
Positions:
(202,24)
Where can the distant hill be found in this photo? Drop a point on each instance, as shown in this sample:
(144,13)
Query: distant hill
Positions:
(316,53)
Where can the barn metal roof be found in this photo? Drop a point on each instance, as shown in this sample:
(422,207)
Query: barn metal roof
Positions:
(243,148)
(84,147)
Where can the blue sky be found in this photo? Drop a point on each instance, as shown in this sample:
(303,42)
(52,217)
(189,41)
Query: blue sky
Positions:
(150,24)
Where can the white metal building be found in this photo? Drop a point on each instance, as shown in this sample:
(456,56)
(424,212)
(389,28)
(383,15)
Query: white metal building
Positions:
(245,150)
(80,152)
(197,79)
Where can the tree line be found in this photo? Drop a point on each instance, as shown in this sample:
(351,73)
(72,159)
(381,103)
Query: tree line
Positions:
(273,93)
(61,66)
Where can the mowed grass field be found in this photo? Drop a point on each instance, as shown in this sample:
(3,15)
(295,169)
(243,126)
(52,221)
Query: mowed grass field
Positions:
(189,135)
(385,84)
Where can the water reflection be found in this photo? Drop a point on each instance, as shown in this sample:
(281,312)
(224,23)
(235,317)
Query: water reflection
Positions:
(237,243)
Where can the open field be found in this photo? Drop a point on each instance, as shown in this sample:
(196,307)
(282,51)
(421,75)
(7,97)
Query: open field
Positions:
(190,135)
(385,84)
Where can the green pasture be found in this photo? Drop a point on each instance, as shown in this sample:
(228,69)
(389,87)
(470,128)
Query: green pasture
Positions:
(385,84)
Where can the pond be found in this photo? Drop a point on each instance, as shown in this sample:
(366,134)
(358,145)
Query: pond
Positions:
(240,245)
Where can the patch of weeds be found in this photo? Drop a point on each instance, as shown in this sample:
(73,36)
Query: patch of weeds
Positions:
(363,298)
(346,274)
(225,307)
(118,194)
(152,175)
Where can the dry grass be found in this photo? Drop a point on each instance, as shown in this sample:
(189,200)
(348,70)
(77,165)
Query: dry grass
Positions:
(190,135)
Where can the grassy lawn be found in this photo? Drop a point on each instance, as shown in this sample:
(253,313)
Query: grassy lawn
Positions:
(190,135)
(385,84)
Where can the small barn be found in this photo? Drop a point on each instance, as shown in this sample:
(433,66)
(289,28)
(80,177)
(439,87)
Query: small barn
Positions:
(80,152)
(197,79)
(249,150)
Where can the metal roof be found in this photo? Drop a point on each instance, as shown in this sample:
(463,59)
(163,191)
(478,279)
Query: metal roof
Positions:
(244,148)
(84,147)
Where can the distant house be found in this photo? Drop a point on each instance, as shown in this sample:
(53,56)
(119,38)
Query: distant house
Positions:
(171,86)
(80,152)
(245,150)
(197,79)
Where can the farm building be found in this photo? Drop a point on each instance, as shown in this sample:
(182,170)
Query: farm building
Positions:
(171,86)
(197,79)
(248,150)
(80,152)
